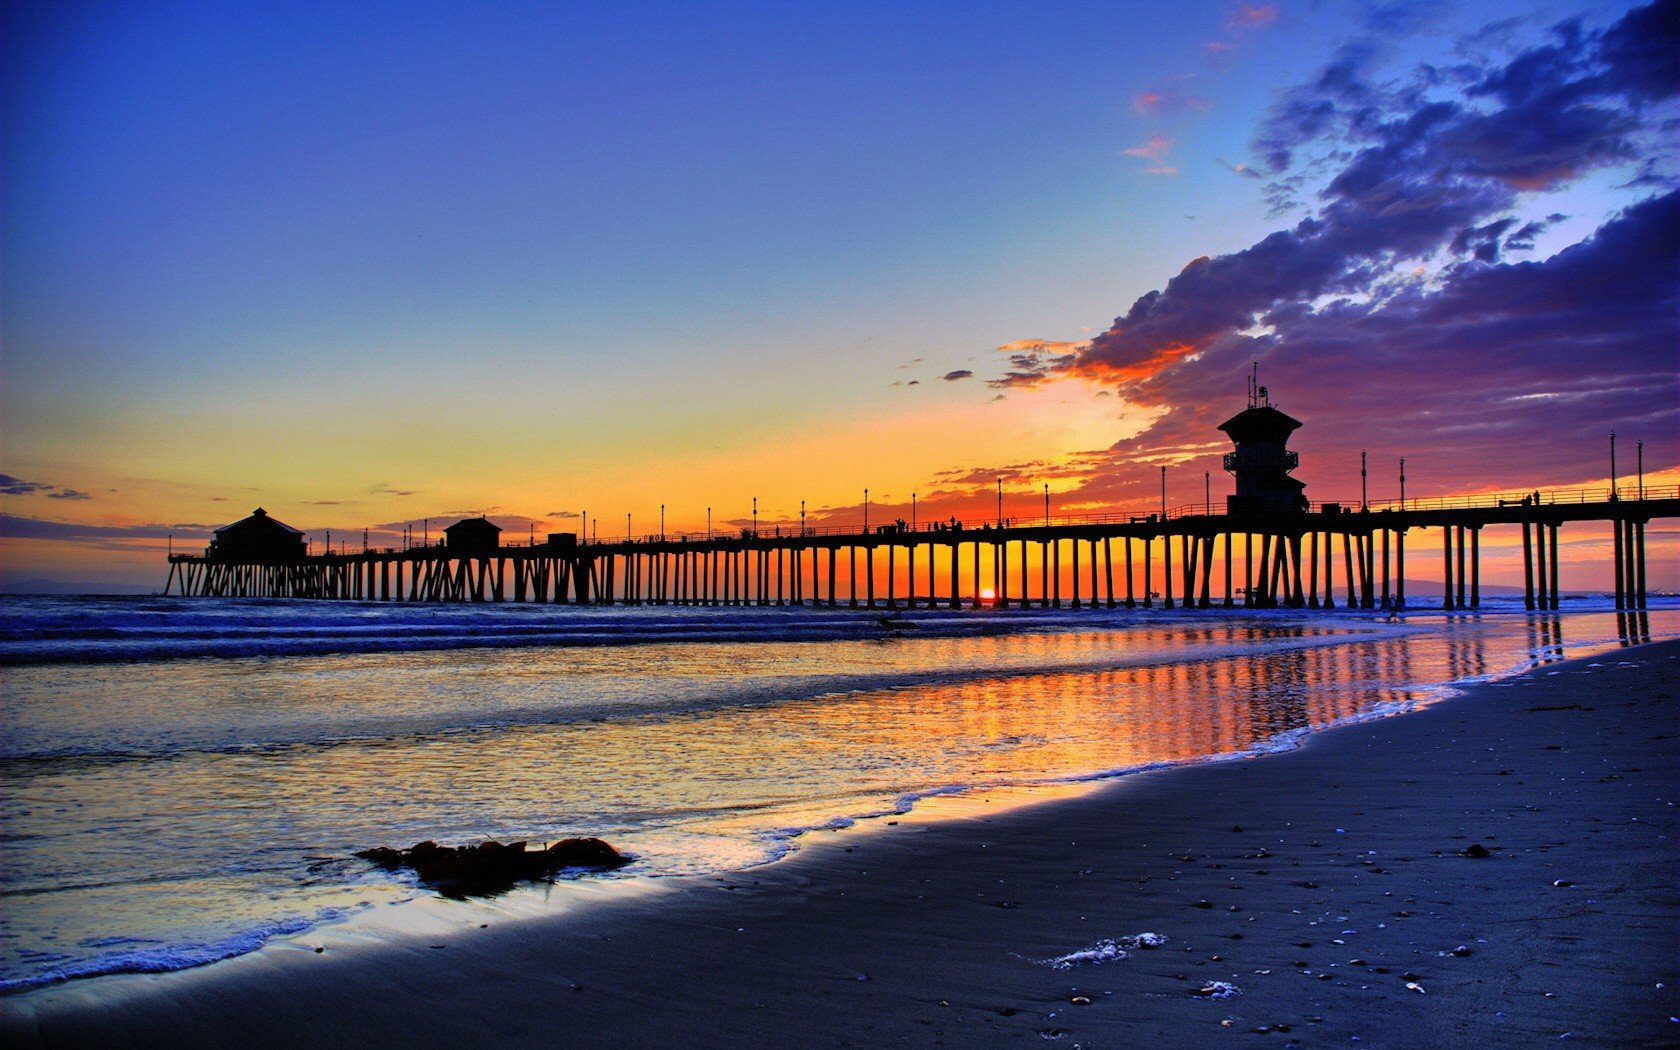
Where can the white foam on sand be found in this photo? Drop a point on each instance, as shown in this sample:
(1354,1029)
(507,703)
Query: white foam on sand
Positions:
(1106,950)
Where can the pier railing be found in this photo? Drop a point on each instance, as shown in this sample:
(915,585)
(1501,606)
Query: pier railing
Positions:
(782,530)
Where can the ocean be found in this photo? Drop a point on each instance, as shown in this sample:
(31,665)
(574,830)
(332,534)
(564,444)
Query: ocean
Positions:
(182,780)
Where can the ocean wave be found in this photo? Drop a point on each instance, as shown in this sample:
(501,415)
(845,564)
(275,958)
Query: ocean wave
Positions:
(165,958)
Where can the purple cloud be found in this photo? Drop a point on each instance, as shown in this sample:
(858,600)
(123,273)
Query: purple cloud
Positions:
(1489,357)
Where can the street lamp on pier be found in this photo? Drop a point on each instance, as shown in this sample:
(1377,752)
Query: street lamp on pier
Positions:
(1613,495)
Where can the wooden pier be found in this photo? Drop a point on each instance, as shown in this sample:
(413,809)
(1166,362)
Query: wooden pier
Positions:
(1324,556)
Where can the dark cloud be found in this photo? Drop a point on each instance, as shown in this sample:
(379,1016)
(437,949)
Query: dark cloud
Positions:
(1487,357)
(12,486)
(17,526)
(961,373)
(1526,365)
(18,487)
(1032,361)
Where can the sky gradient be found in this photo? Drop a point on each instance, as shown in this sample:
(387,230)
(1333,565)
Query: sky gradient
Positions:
(368,265)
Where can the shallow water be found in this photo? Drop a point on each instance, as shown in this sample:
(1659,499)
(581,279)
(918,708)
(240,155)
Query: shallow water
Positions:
(164,807)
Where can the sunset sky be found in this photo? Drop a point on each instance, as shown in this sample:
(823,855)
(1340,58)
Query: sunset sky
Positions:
(370,265)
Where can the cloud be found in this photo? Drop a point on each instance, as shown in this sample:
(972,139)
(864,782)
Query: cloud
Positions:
(12,486)
(1433,168)
(384,489)
(564,514)
(1158,101)
(1435,175)
(1154,149)
(961,373)
(17,526)
(1033,361)
(18,487)
(1252,16)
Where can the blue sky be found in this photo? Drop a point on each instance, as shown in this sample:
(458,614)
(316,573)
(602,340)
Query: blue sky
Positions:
(303,252)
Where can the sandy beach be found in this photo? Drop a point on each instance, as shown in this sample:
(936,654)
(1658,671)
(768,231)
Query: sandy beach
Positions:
(1333,889)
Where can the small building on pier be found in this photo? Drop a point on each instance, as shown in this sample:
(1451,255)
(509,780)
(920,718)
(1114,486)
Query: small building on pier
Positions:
(257,539)
(472,536)
(1262,461)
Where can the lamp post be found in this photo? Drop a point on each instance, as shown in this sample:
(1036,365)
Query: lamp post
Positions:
(1364,492)
(755,517)
(1000,501)
(708,524)
(1402,482)
(866,512)
(1207,492)
(802,518)
(1640,450)
(1612,466)
(1047,504)
(1163,493)
(626,526)
(912,512)
(662,523)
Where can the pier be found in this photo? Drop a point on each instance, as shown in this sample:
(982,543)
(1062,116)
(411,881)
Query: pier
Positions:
(1324,557)
(1267,546)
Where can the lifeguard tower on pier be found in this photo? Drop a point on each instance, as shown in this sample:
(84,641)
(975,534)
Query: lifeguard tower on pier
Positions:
(1262,461)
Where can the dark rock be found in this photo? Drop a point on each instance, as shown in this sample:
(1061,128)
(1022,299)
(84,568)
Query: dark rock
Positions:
(1477,850)
(492,867)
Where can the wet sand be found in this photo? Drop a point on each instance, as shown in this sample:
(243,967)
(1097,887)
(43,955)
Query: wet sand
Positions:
(1329,884)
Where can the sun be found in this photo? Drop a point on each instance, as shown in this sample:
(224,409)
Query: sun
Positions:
(987,594)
